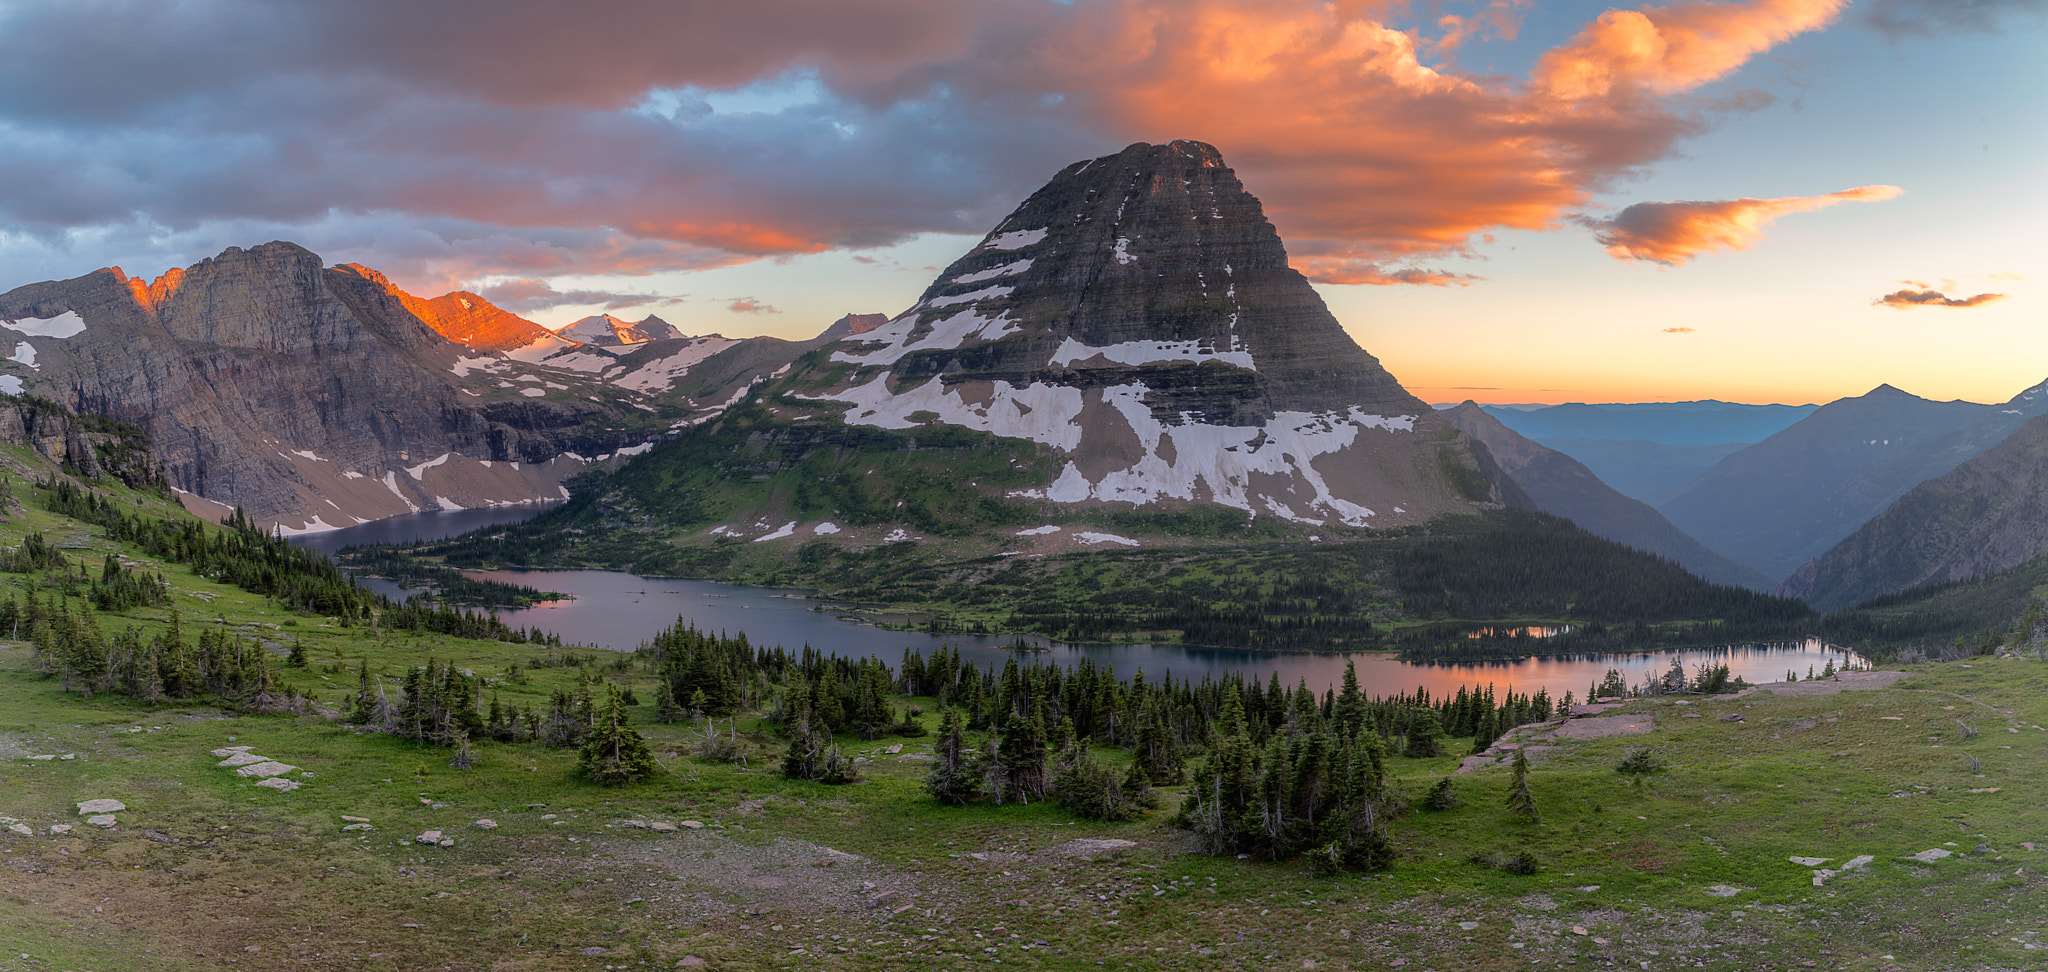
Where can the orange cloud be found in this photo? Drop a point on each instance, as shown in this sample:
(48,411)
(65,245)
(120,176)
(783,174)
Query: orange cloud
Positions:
(1674,48)
(1674,232)
(1678,330)
(540,144)
(1902,299)
(748,305)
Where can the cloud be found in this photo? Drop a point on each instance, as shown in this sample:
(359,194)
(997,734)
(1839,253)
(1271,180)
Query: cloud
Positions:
(1349,271)
(1674,232)
(748,305)
(1902,299)
(528,295)
(523,143)
(1925,18)
(1678,330)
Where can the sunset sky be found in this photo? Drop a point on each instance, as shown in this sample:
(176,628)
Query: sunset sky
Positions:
(1508,200)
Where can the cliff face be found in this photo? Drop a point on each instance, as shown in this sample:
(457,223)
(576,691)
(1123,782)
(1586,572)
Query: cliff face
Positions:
(309,396)
(1137,314)
(89,446)
(1559,485)
(1987,515)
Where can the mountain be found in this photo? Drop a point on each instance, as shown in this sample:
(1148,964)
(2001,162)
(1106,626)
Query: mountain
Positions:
(1987,515)
(1640,469)
(311,396)
(462,317)
(1125,359)
(1136,316)
(1783,501)
(851,325)
(1670,423)
(604,330)
(1561,486)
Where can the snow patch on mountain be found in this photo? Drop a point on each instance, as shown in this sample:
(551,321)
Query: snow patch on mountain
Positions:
(26,354)
(993,272)
(1090,537)
(63,325)
(1150,352)
(661,374)
(1015,240)
(785,530)
(1038,411)
(897,337)
(419,472)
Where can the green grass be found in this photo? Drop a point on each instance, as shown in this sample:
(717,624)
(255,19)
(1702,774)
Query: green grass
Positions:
(205,862)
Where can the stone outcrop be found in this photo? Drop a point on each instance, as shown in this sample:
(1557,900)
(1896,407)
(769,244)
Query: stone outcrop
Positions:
(1138,315)
(307,395)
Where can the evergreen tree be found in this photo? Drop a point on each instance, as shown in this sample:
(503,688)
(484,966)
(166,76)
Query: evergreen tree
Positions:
(953,778)
(615,754)
(1425,735)
(1520,802)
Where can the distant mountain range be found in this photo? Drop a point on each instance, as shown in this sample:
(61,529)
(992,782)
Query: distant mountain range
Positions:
(1781,502)
(1561,486)
(1986,515)
(1668,423)
(317,397)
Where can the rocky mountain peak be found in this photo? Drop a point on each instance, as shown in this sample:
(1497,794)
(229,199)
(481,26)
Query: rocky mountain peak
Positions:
(1138,313)
(463,317)
(606,331)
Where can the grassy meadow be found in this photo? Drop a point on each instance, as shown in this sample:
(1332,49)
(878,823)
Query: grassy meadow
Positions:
(736,867)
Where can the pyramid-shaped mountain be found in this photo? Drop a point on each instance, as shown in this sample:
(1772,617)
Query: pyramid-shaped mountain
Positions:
(1137,315)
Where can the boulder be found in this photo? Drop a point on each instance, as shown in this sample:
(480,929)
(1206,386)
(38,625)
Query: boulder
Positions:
(91,807)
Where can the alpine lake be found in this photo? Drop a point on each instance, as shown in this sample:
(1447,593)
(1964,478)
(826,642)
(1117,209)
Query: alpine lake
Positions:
(617,611)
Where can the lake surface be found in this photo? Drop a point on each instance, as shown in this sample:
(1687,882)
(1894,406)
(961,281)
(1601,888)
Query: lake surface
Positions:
(618,611)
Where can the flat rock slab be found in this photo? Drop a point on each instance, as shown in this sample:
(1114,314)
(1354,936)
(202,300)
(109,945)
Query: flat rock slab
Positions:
(1725,891)
(1845,682)
(1811,861)
(1605,727)
(91,807)
(266,768)
(1928,856)
(231,750)
(23,829)
(242,759)
(485,824)
(663,826)
(1091,846)
(101,820)
(279,784)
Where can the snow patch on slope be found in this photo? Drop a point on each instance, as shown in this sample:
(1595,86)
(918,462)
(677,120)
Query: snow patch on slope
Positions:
(661,373)
(1038,411)
(993,272)
(1016,240)
(1150,352)
(63,325)
(946,334)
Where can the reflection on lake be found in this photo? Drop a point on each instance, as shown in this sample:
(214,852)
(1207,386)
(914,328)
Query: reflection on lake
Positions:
(618,611)
(434,525)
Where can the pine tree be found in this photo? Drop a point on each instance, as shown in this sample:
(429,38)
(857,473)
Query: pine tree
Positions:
(615,755)
(1425,735)
(953,779)
(1520,802)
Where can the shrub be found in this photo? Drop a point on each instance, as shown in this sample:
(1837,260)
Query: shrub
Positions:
(1638,761)
(1441,796)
